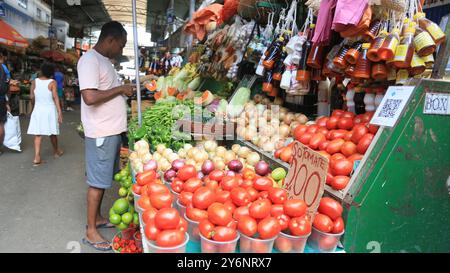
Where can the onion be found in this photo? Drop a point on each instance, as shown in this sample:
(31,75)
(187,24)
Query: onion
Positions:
(240,131)
(220,165)
(229,155)
(139,167)
(310,123)
(262,168)
(133,155)
(157,156)
(282,116)
(220,151)
(268,131)
(284,130)
(210,146)
(235,148)
(160,148)
(268,146)
(169,175)
(178,164)
(207,167)
(198,167)
(284,110)
(243,152)
(262,140)
(190,161)
(302,119)
(182,153)
(288,118)
(146,158)
(200,175)
(141,145)
(201,156)
(151,165)
(294,125)
(235,165)
(230,173)
(142,153)
(191,152)
(250,134)
(172,157)
(187,146)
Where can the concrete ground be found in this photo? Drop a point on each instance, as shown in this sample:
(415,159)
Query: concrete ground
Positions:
(43,209)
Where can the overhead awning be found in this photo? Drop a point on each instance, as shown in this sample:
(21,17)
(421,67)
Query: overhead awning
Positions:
(9,36)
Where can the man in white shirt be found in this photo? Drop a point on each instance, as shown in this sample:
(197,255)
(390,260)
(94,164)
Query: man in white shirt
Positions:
(104,118)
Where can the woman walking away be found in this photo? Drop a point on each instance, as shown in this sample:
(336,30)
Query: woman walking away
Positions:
(47,114)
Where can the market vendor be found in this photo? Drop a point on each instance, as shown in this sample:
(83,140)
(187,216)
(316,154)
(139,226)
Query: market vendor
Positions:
(104,118)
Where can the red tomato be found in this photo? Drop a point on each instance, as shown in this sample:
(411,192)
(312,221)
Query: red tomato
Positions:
(348,149)
(330,178)
(322,122)
(335,146)
(349,115)
(335,134)
(330,207)
(229,182)
(182,225)
(325,154)
(316,140)
(185,198)
(341,167)
(262,183)
(337,156)
(367,116)
(260,247)
(154,188)
(192,184)
(144,178)
(337,113)
(263,195)
(373,129)
(312,129)
(305,138)
(218,214)
(348,136)
(260,209)
(170,238)
(278,152)
(268,228)
(282,244)
(144,191)
(355,157)
(345,123)
(276,210)
(187,172)
(323,131)
(340,182)
(240,212)
(338,226)
(248,174)
(223,196)
(323,223)
(203,197)
(148,215)
(151,231)
(240,197)
(254,194)
(161,200)
(248,183)
(196,215)
(300,226)
(357,119)
(295,208)
(277,196)
(358,132)
(332,123)
(232,224)
(167,218)
(206,228)
(177,185)
(230,206)
(212,184)
(145,203)
(224,234)
(364,143)
(136,189)
(283,221)
(247,226)
(216,175)
(299,131)
(323,146)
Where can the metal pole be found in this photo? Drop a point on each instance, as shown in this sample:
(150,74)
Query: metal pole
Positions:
(190,37)
(136,63)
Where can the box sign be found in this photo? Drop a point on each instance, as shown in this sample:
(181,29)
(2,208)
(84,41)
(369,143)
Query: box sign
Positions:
(307,177)
(436,104)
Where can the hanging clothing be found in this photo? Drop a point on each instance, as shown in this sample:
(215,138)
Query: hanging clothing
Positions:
(322,34)
(348,13)
(44,119)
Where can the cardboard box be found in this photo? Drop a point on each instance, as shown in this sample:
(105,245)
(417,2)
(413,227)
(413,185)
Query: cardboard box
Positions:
(144,104)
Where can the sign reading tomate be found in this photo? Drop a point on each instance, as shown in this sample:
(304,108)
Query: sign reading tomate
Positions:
(307,176)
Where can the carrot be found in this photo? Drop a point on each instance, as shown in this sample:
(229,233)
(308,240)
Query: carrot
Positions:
(157,95)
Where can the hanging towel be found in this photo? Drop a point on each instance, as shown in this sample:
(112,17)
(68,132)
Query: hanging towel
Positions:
(348,12)
(322,33)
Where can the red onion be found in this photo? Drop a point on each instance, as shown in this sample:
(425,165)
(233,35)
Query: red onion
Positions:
(200,175)
(170,175)
(151,165)
(230,173)
(235,165)
(207,167)
(178,164)
(262,168)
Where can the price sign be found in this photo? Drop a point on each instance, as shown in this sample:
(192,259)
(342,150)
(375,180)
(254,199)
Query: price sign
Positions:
(307,176)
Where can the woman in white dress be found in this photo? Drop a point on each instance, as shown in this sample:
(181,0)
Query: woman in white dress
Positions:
(47,114)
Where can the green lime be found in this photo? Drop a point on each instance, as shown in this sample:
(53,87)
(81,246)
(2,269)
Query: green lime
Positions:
(111,211)
(131,209)
(122,226)
(115,219)
(127,184)
(135,219)
(123,192)
(278,174)
(117,177)
(121,206)
(127,218)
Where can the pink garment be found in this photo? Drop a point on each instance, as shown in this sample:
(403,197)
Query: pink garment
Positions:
(348,12)
(322,33)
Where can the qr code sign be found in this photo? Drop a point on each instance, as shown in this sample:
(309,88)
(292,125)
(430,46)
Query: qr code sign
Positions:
(390,108)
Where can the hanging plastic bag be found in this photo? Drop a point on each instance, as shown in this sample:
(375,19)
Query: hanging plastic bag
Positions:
(362,27)
(13,135)
(348,13)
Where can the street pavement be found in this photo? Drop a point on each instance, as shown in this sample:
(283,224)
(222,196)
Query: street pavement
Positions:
(43,209)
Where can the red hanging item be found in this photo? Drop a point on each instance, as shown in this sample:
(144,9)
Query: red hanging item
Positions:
(322,34)
(230,8)
(348,13)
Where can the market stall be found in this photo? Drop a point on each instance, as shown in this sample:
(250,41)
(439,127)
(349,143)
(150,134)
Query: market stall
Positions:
(289,137)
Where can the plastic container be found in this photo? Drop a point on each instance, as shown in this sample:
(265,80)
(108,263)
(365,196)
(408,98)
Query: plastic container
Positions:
(431,27)
(210,246)
(324,242)
(138,239)
(363,66)
(194,232)
(175,197)
(136,197)
(181,208)
(423,42)
(252,245)
(372,31)
(417,65)
(405,50)
(339,61)
(137,208)
(379,71)
(286,243)
(352,54)
(387,51)
(316,56)
(153,248)
(372,54)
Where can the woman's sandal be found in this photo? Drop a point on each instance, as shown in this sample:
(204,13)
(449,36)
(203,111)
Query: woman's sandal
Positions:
(35,164)
(59,154)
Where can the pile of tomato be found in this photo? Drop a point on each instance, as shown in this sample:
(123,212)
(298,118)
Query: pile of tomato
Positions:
(126,246)
(343,138)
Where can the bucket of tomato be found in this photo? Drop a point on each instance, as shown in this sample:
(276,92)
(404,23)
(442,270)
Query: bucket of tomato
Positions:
(287,243)
(193,230)
(257,237)
(166,232)
(328,226)
(218,234)
(181,208)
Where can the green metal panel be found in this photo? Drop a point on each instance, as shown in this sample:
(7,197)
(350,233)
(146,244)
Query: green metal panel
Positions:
(400,197)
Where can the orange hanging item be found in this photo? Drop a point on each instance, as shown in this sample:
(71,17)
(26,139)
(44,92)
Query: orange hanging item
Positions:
(372,32)
(315,58)
(361,28)
(350,70)
(405,50)
(376,44)
(387,51)
(339,61)
(432,28)
(353,53)
(379,71)
(423,42)
(363,66)
(417,65)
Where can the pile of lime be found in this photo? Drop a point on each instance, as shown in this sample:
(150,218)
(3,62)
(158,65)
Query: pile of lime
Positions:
(125,180)
(123,215)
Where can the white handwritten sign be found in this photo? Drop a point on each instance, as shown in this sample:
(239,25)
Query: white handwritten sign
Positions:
(437,104)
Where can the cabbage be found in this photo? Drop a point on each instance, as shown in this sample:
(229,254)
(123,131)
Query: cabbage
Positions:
(195,83)
(160,84)
(238,101)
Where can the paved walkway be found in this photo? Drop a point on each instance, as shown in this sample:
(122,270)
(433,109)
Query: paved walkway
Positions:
(43,209)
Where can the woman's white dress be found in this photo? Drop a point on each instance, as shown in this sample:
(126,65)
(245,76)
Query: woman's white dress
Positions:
(44,119)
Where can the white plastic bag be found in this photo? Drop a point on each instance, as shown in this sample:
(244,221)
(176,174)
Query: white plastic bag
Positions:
(13,136)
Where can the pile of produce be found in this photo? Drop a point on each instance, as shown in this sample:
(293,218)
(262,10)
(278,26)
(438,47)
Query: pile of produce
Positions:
(165,227)
(122,245)
(178,81)
(329,216)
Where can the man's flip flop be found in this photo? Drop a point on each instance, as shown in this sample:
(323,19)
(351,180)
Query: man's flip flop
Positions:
(35,164)
(96,245)
(105,225)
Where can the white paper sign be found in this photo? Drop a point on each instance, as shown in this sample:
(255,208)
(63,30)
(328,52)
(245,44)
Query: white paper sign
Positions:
(437,104)
(392,106)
